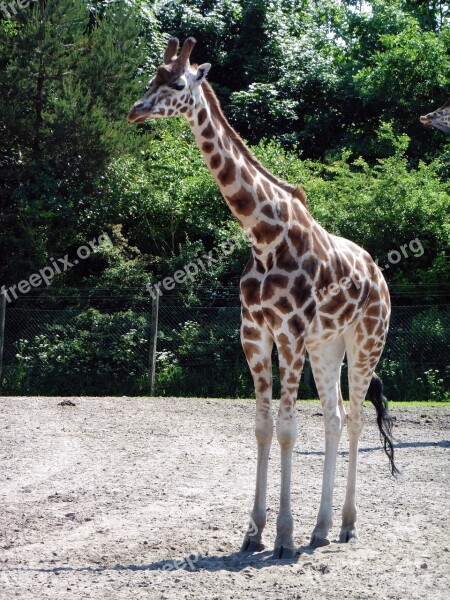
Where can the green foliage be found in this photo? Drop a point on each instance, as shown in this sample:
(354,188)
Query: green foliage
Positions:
(419,341)
(433,385)
(315,74)
(73,352)
(63,89)
(339,83)
(87,354)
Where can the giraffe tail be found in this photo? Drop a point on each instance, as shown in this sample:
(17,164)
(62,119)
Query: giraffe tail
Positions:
(385,421)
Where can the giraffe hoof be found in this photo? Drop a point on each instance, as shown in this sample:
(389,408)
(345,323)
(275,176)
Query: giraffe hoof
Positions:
(251,546)
(348,535)
(283,552)
(318,542)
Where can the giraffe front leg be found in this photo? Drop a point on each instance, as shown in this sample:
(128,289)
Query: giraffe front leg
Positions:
(257,344)
(291,366)
(326,365)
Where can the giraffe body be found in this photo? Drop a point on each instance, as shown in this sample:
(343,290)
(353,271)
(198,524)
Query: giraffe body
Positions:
(303,289)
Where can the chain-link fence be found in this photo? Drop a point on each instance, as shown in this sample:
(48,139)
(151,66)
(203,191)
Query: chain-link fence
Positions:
(106,348)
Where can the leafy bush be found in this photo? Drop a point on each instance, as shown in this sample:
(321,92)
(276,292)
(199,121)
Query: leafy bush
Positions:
(91,353)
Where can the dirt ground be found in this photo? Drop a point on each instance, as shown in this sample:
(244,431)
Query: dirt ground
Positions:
(121,498)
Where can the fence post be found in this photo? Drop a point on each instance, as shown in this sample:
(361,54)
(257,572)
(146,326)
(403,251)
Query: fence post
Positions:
(2,330)
(153,339)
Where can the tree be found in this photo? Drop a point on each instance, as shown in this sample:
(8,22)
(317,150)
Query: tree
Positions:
(64,86)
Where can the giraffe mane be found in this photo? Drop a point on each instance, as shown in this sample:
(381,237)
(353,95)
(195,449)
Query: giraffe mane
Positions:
(216,112)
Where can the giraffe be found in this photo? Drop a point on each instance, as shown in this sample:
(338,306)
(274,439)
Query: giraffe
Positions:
(439,118)
(303,289)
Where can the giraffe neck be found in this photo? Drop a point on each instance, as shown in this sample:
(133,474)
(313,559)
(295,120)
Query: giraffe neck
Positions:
(258,200)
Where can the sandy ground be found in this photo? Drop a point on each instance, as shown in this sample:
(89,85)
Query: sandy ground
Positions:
(121,498)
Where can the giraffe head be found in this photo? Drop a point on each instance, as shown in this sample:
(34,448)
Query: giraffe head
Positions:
(173,90)
(439,118)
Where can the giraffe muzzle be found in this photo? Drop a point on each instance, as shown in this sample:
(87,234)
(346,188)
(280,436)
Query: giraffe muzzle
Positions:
(138,113)
(426,119)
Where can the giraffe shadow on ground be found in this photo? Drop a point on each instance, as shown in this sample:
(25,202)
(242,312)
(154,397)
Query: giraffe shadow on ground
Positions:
(235,561)
(441,444)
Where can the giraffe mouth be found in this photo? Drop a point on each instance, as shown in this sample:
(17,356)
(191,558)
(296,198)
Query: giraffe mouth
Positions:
(139,119)
(137,116)
(426,120)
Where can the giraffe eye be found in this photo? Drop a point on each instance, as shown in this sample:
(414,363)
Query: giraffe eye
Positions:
(177,86)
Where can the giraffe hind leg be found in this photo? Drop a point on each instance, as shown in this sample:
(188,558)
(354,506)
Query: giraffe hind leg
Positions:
(363,354)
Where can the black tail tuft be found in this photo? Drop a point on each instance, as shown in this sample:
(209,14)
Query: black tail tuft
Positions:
(384,420)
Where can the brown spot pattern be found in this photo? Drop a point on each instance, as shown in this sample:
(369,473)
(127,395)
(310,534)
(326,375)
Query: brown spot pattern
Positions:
(246,175)
(251,333)
(296,325)
(258,318)
(266,233)
(300,290)
(284,305)
(282,338)
(310,310)
(250,290)
(333,303)
(285,353)
(298,364)
(298,239)
(228,173)
(259,266)
(263,385)
(284,259)
(267,211)
(268,191)
(216,161)
(242,202)
(347,313)
(252,169)
(293,378)
(208,132)
(208,147)
(309,266)
(250,350)
(202,116)
(272,319)
(272,283)
(364,293)
(327,323)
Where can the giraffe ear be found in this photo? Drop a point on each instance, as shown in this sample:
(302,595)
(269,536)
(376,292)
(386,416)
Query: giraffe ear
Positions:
(200,74)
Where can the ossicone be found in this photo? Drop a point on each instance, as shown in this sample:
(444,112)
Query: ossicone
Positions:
(182,60)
